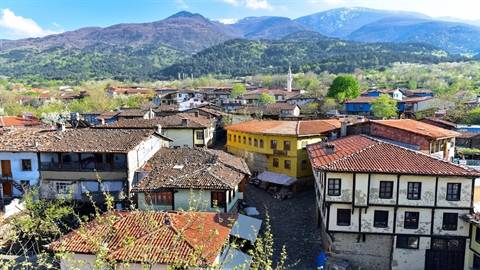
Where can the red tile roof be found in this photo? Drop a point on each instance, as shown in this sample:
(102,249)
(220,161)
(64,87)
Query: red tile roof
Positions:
(360,153)
(17,121)
(152,237)
(287,128)
(417,127)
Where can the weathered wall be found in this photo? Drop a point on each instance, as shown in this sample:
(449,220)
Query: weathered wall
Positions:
(371,254)
(411,259)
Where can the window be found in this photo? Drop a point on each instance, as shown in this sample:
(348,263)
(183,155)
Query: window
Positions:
(218,199)
(408,242)
(244,140)
(63,188)
(386,190)
(273,144)
(334,186)
(255,142)
(261,143)
(380,219)
(275,162)
(477,234)
(411,220)
(159,198)
(450,221)
(453,191)
(229,137)
(26,164)
(343,217)
(287,164)
(304,164)
(413,190)
(476,262)
(234,138)
(286,145)
(199,135)
(249,141)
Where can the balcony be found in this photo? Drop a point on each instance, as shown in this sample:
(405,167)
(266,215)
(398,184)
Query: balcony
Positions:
(79,167)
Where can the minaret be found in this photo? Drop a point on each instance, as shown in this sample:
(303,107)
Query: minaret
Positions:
(289,80)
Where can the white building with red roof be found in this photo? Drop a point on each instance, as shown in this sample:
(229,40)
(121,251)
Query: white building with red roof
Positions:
(383,206)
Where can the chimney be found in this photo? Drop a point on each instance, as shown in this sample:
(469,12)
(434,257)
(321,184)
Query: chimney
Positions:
(61,126)
(159,129)
(184,122)
(329,148)
(343,128)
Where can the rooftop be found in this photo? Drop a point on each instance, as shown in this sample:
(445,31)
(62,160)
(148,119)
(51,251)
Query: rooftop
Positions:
(20,139)
(419,128)
(196,168)
(179,120)
(93,140)
(287,128)
(18,121)
(363,154)
(270,109)
(152,237)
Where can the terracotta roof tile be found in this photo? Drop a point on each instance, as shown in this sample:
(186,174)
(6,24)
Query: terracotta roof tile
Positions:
(17,121)
(170,121)
(360,153)
(196,168)
(151,237)
(287,128)
(417,127)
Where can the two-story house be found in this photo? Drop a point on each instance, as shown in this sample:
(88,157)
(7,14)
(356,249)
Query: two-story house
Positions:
(78,163)
(185,129)
(191,179)
(279,146)
(18,160)
(383,206)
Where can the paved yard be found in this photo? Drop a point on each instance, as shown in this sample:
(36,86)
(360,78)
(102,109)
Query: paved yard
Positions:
(293,224)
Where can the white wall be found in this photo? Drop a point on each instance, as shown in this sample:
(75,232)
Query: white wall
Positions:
(137,157)
(411,259)
(16,166)
(180,137)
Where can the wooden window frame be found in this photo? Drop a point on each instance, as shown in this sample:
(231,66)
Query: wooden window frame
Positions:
(273,144)
(164,198)
(24,163)
(261,143)
(454,191)
(411,194)
(385,190)
(404,242)
(411,220)
(287,164)
(447,217)
(275,162)
(286,145)
(344,213)
(332,189)
(379,220)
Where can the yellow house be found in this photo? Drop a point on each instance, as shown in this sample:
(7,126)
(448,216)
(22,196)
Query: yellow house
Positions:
(278,146)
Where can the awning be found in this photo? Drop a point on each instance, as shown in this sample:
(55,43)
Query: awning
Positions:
(235,259)
(276,178)
(246,228)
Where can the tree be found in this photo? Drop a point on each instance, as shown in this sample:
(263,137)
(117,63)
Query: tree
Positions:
(384,107)
(238,90)
(344,87)
(266,99)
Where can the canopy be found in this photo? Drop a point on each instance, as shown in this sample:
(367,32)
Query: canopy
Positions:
(276,178)
(246,228)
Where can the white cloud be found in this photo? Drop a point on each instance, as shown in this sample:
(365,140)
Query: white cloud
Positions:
(20,27)
(250,4)
(181,3)
(228,21)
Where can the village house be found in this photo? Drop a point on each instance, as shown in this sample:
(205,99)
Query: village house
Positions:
(76,163)
(383,206)
(19,162)
(302,99)
(184,99)
(128,90)
(279,146)
(417,135)
(154,240)
(135,113)
(185,129)
(280,95)
(195,179)
(275,111)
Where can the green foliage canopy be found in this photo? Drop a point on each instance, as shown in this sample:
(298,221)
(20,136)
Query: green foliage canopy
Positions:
(384,107)
(344,87)
(266,99)
(238,90)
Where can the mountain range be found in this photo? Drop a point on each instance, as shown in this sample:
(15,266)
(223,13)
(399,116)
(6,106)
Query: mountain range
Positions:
(132,50)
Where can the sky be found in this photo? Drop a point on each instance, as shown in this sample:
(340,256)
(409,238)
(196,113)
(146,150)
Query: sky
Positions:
(35,18)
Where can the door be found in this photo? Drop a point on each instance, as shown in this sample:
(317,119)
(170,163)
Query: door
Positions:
(445,254)
(6,168)
(7,189)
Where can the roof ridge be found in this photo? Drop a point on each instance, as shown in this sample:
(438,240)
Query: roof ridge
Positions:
(351,154)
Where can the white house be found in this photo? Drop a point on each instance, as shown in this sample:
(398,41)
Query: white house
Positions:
(185,179)
(18,160)
(85,162)
(382,206)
